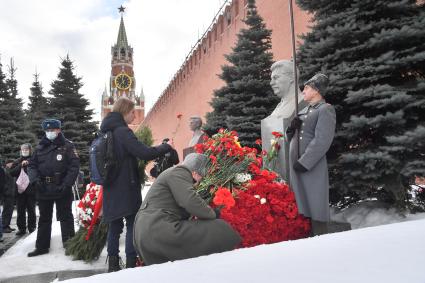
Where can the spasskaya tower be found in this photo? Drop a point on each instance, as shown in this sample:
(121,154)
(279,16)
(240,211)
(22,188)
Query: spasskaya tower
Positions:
(122,82)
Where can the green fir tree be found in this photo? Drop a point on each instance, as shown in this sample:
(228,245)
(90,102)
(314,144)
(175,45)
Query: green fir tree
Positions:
(374,55)
(247,97)
(144,135)
(12,120)
(70,106)
(37,108)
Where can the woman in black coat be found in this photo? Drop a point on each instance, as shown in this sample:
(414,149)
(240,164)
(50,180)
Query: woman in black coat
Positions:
(25,201)
(122,197)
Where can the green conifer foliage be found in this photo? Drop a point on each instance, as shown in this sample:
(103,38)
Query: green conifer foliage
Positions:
(374,55)
(37,108)
(12,120)
(247,97)
(70,106)
(144,135)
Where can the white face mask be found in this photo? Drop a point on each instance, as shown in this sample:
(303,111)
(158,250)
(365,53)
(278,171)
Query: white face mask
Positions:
(51,135)
(25,153)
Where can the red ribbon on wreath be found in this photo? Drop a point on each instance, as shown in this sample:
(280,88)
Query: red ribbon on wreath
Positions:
(96,214)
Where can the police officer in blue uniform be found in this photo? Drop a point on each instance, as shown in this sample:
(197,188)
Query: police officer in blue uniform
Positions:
(53,170)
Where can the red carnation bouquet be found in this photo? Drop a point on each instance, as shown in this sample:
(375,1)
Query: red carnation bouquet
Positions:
(254,203)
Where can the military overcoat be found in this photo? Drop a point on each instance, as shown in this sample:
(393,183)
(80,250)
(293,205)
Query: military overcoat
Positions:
(164,230)
(315,136)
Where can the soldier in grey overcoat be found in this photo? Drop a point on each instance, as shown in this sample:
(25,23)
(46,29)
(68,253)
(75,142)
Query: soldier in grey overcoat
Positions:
(314,127)
(164,229)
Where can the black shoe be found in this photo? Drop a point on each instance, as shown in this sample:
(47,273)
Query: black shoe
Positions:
(130,262)
(31,230)
(21,233)
(37,252)
(7,229)
(114,263)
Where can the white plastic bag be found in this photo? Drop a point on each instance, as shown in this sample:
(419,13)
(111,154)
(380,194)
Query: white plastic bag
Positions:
(23,181)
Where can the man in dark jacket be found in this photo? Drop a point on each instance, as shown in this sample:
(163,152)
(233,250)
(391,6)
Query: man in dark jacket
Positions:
(8,198)
(2,180)
(53,169)
(25,201)
(122,196)
(165,161)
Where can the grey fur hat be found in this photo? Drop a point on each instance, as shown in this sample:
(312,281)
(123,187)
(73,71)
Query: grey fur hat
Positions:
(319,82)
(196,162)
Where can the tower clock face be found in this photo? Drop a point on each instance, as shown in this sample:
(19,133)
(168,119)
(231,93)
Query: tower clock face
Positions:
(123,81)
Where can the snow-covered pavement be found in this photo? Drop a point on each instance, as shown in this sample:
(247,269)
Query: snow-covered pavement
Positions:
(391,253)
(386,253)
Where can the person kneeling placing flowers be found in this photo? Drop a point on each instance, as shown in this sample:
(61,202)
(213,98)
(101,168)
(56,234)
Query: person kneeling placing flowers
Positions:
(175,223)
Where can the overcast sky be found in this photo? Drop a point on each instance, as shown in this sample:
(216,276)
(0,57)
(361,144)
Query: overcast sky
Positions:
(37,34)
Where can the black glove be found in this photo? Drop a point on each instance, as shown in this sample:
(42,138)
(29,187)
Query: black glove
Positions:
(217,211)
(299,167)
(296,123)
(204,194)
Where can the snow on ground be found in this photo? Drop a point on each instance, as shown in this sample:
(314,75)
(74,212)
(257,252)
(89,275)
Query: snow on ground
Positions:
(15,261)
(340,255)
(371,213)
(388,253)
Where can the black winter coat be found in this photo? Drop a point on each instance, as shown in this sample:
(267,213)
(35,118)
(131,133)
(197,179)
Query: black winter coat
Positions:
(57,159)
(15,171)
(9,187)
(122,197)
(2,181)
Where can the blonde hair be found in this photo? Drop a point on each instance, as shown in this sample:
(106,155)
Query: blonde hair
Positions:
(123,105)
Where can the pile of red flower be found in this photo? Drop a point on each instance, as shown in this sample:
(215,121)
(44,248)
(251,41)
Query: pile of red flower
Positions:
(254,203)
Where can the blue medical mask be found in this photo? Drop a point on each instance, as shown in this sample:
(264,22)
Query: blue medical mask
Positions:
(51,135)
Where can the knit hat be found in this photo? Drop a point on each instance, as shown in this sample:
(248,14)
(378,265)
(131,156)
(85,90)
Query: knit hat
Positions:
(319,82)
(196,162)
(51,124)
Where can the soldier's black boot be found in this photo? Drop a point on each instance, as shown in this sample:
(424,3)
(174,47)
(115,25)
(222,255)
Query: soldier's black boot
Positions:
(37,252)
(21,233)
(130,262)
(114,263)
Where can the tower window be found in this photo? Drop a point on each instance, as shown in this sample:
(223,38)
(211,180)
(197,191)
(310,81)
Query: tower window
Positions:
(122,52)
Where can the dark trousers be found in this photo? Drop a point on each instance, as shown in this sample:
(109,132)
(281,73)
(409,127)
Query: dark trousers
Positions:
(25,203)
(8,205)
(114,231)
(63,214)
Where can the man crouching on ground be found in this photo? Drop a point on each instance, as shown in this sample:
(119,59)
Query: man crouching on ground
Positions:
(163,229)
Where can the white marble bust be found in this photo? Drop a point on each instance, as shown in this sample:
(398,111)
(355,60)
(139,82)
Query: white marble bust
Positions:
(195,124)
(282,83)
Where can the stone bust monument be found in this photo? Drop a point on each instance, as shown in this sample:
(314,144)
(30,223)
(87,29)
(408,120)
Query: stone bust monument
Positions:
(282,83)
(195,124)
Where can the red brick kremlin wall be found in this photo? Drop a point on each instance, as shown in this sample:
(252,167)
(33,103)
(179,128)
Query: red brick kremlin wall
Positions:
(192,87)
